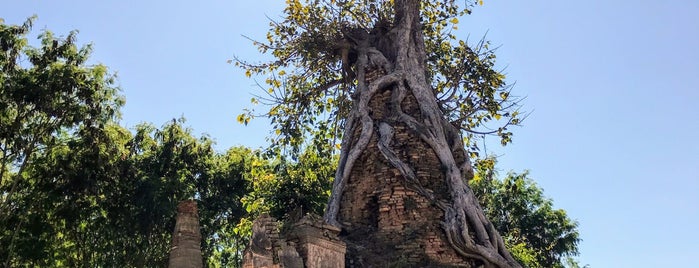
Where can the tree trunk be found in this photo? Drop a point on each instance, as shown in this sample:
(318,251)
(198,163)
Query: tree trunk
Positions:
(186,239)
(400,192)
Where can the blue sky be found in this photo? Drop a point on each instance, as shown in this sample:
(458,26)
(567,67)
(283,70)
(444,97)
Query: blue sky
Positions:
(612,86)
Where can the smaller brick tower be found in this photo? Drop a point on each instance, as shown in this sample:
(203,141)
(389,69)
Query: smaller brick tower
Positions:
(186,239)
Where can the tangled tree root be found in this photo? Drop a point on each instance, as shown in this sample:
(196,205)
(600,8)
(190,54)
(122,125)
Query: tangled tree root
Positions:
(466,227)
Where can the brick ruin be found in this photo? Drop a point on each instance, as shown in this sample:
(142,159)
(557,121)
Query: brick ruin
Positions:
(186,238)
(385,223)
(308,242)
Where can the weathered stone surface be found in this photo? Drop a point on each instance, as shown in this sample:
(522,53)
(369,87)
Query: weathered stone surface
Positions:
(320,253)
(387,223)
(289,257)
(186,238)
(318,243)
(254,260)
(260,252)
(264,230)
(308,243)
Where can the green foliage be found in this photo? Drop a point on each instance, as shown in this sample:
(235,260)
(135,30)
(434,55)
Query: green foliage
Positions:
(281,185)
(536,234)
(220,191)
(46,94)
(109,197)
(79,190)
(308,88)
(51,90)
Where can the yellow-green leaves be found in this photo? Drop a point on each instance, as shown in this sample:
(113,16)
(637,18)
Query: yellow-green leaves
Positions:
(243,119)
(304,82)
(273,82)
(504,94)
(536,233)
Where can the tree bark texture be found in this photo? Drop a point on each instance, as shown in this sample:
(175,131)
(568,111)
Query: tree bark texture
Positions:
(400,191)
(186,238)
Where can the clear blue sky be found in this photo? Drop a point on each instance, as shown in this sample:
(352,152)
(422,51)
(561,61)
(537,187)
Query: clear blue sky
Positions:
(613,86)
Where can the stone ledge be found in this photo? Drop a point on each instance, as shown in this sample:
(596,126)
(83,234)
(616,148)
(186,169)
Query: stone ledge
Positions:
(310,242)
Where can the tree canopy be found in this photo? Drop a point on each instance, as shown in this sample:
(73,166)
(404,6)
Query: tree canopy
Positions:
(308,88)
(335,59)
(537,234)
(77,189)
(47,93)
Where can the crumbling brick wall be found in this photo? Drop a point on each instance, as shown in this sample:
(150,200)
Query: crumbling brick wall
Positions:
(387,223)
(307,243)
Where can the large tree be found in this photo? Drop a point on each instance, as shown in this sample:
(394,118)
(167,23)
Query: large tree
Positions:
(391,75)
(45,90)
(46,93)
